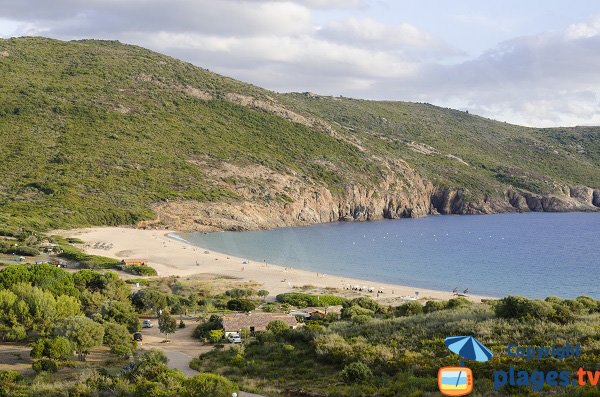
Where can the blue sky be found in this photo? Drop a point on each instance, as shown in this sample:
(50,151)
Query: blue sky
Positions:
(527,62)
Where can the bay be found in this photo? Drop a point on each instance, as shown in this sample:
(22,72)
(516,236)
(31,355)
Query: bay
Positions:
(531,254)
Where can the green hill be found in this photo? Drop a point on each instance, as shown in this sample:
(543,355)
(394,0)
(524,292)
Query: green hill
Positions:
(101,133)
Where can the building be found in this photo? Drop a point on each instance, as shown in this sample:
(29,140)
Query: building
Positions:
(315,313)
(254,322)
(133,262)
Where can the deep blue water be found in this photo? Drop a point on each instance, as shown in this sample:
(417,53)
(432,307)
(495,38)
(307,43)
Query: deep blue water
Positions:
(533,254)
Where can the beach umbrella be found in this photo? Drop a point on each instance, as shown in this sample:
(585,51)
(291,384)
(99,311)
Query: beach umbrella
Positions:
(468,348)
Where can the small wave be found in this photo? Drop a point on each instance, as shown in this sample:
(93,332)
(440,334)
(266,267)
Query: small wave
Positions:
(176,237)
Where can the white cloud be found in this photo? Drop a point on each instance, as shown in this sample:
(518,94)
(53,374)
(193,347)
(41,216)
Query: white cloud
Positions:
(373,33)
(545,79)
(584,30)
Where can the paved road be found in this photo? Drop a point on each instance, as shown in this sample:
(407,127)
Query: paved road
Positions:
(181,361)
(181,349)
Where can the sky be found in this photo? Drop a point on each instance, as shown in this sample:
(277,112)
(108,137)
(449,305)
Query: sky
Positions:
(532,62)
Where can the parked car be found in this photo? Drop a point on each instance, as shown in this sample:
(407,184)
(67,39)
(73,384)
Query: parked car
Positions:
(234,338)
(138,336)
(147,324)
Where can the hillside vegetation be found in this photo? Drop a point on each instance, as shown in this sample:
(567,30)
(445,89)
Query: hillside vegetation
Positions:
(102,133)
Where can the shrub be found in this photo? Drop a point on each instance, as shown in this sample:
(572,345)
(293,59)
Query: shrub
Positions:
(458,302)
(519,307)
(356,372)
(590,304)
(409,309)
(140,270)
(332,348)
(241,305)
(45,365)
(215,335)
(59,348)
(123,351)
(237,360)
(278,327)
(299,299)
(361,319)
(202,330)
(208,385)
(238,293)
(355,310)
(434,306)
(10,376)
(366,303)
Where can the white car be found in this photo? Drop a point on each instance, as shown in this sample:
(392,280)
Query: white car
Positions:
(147,324)
(234,338)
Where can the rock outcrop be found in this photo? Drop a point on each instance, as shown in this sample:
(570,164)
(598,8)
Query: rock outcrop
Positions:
(270,199)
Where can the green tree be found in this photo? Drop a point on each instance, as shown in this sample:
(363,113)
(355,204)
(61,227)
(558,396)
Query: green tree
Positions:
(241,305)
(149,299)
(14,315)
(263,293)
(82,332)
(118,337)
(121,313)
(58,348)
(167,324)
(208,385)
(277,327)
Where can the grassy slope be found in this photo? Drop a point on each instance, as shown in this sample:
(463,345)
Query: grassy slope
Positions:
(70,156)
(498,153)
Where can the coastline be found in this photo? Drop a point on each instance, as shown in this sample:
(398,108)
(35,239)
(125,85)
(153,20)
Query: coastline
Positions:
(174,256)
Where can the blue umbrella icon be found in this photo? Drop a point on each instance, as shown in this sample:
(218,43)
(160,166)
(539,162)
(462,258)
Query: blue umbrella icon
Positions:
(468,348)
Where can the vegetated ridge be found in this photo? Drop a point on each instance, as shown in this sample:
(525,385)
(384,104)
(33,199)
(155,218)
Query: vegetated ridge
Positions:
(102,133)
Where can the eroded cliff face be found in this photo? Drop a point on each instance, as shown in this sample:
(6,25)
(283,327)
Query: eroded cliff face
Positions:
(270,199)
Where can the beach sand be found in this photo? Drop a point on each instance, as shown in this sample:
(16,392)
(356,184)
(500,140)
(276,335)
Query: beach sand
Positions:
(171,257)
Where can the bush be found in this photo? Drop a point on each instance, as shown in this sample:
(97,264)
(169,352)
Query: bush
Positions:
(355,310)
(215,335)
(366,303)
(123,351)
(301,300)
(202,330)
(458,302)
(208,385)
(10,376)
(116,335)
(356,372)
(22,250)
(277,327)
(140,270)
(241,305)
(59,348)
(434,306)
(238,293)
(45,365)
(409,309)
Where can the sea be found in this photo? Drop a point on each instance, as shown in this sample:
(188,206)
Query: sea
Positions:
(530,254)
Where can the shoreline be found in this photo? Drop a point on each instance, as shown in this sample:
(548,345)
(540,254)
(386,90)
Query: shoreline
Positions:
(174,256)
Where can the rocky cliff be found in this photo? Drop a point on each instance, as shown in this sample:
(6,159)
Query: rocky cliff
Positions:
(272,200)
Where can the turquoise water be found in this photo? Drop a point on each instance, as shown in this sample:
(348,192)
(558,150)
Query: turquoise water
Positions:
(533,254)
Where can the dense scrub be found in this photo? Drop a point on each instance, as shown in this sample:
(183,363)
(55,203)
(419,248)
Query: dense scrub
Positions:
(97,132)
(397,351)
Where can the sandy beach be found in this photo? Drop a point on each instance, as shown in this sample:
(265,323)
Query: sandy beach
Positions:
(172,257)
